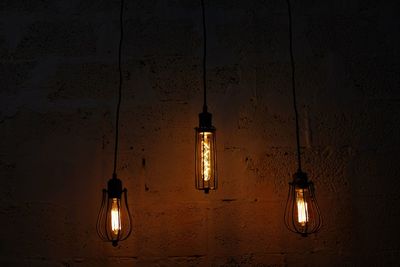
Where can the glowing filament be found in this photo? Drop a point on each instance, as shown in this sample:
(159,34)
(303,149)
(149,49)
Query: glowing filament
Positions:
(206,155)
(302,209)
(115,216)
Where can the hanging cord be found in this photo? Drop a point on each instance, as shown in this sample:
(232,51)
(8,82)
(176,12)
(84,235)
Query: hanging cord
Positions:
(204,56)
(294,84)
(119,87)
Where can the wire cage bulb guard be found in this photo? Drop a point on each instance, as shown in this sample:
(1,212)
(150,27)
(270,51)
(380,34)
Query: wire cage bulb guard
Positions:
(206,155)
(302,214)
(114,223)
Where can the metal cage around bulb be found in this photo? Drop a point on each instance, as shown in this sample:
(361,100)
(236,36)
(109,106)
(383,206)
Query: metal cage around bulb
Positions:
(114,223)
(205,154)
(302,214)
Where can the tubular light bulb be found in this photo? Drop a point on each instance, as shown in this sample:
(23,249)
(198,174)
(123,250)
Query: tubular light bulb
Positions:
(115,216)
(206,155)
(302,208)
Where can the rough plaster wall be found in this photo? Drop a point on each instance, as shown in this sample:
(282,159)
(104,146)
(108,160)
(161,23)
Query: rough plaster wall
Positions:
(58,96)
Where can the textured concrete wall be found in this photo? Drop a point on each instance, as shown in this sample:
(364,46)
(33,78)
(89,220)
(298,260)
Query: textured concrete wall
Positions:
(58,96)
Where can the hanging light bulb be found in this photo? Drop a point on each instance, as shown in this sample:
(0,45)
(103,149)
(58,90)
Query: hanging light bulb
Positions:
(114,221)
(206,160)
(302,214)
(205,139)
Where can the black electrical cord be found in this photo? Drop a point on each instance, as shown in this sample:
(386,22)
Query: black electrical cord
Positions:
(119,87)
(294,84)
(204,56)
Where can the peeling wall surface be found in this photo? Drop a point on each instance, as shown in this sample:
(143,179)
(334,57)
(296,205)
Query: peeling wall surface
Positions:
(59,81)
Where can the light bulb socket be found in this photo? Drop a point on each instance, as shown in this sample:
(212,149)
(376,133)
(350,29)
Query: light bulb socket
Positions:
(205,121)
(114,187)
(300,179)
